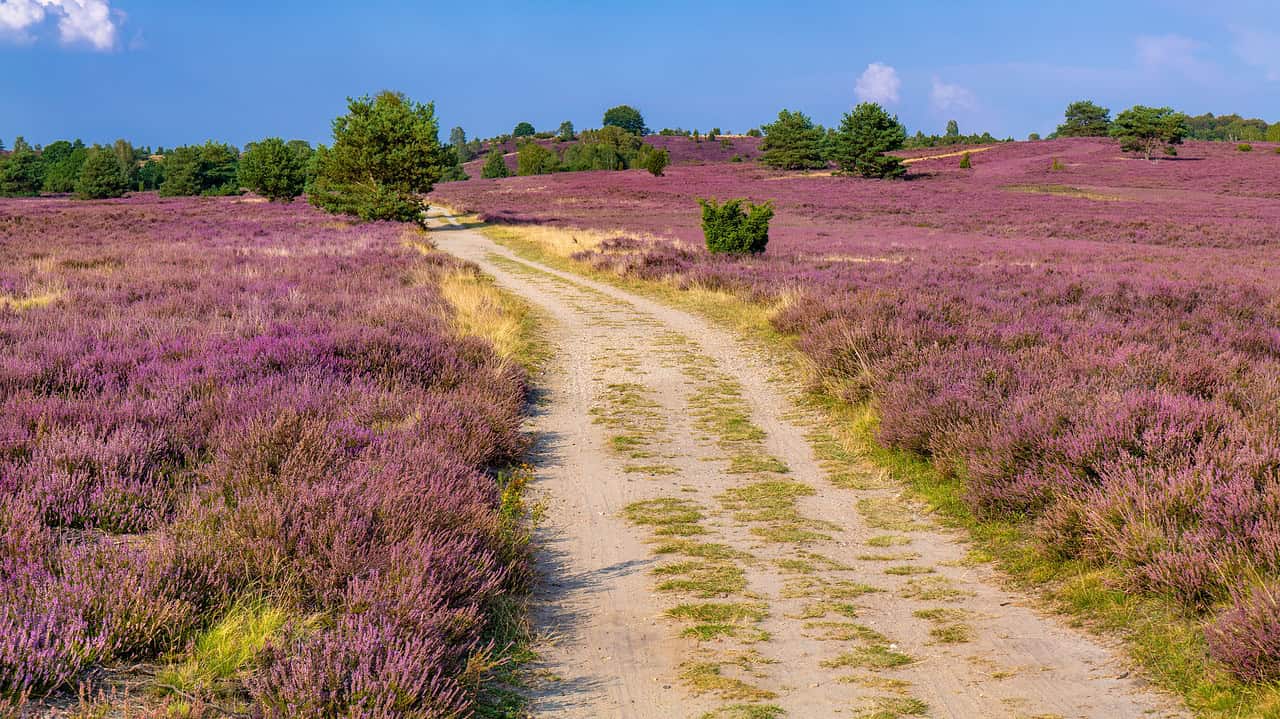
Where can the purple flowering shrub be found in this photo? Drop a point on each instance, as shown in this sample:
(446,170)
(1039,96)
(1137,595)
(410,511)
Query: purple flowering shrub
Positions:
(226,400)
(1093,352)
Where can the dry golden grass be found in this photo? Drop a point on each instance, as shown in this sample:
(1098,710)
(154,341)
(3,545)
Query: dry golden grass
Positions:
(944,155)
(480,310)
(41,296)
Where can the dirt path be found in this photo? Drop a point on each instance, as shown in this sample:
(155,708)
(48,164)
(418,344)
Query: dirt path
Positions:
(708,552)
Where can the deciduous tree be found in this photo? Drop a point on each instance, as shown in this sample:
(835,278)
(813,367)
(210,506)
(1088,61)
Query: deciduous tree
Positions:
(626,117)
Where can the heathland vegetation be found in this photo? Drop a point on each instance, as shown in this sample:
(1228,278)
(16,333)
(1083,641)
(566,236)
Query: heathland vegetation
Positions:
(263,453)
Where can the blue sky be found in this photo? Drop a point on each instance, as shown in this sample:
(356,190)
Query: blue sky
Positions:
(166,72)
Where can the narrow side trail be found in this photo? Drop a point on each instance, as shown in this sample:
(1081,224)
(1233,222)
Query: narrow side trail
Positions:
(707,551)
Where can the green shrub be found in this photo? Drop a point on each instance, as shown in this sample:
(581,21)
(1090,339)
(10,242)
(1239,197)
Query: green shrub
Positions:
(1056,165)
(652,159)
(736,158)
(966,161)
(534,159)
(495,165)
(274,170)
(100,176)
(754,132)
(729,228)
(1244,147)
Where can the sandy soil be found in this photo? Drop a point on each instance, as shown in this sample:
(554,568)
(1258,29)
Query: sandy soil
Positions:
(707,552)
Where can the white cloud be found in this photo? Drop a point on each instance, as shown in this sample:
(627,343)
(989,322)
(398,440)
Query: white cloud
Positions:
(1260,48)
(92,22)
(945,96)
(878,83)
(1174,53)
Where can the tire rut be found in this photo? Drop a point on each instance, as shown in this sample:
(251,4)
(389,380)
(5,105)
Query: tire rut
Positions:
(698,557)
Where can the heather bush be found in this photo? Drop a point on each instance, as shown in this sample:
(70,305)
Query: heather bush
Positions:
(1246,637)
(241,403)
(730,229)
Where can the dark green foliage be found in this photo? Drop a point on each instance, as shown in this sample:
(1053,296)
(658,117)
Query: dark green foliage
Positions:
(534,159)
(1085,119)
(793,142)
(386,155)
(728,228)
(922,140)
(458,141)
(953,129)
(865,135)
(966,161)
(1230,128)
(495,165)
(1147,129)
(274,170)
(101,176)
(524,129)
(62,161)
(626,117)
(21,173)
(453,171)
(1033,137)
(1273,133)
(127,158)
(652,159)
(209,169)
(754,132)
(1244,147)
(609,148)
(673,132)
(150,175)
(565,133)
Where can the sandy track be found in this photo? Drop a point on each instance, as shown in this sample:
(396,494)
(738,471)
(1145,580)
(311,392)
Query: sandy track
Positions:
(830,600)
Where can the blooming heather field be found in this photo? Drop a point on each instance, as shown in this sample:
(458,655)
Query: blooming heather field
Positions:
(1093,351)
(232,421)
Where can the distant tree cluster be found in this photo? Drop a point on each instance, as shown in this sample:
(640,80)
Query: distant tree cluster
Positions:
(1231,128)
(60,168)
(210,169)
(952,136)
(275,169)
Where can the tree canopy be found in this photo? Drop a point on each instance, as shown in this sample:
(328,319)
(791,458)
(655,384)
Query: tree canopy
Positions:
(1147,129)
(865,135)
(274,169)
(626,117)
(495,165)
(524,129)
(1085,119)
(386,155)
(101,176)
(793,142)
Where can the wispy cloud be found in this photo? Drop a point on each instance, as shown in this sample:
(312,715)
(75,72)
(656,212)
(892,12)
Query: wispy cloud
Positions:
(947,97)
(1173,53)
(1260,48)
(91,22)
(878,83)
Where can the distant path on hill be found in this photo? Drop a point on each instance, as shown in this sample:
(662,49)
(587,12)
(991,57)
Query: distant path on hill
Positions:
(707,551)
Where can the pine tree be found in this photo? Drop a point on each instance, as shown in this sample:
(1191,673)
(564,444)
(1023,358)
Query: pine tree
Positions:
(793,142)
(100,176)
(865,135)
(495,165)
